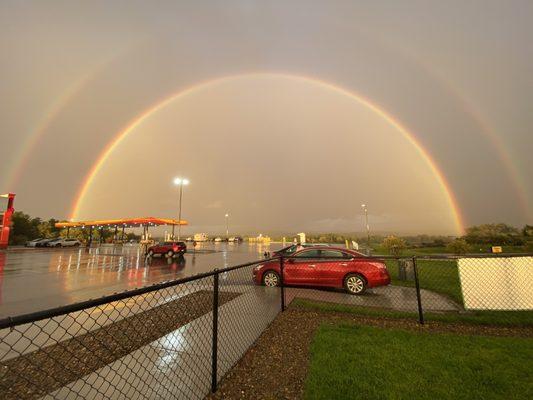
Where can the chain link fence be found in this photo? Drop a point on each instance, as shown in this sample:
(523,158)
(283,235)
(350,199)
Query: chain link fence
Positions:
(177,339)
(172,340)
(485,289)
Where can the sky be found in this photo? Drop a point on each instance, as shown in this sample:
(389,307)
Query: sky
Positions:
(288,115)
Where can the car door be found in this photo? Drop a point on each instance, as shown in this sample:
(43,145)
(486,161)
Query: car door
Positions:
(300,268)
(332,267)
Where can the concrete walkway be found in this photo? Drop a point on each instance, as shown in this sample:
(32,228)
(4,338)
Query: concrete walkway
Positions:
(178,365)
(397,298)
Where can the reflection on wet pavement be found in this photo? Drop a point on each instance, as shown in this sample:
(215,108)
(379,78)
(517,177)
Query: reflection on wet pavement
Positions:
(36,279)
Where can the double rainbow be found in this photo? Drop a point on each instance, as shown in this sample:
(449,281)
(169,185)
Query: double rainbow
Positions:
(120,136)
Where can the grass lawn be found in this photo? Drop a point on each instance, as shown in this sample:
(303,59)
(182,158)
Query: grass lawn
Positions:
(493,318)
(360,362)
(420,251)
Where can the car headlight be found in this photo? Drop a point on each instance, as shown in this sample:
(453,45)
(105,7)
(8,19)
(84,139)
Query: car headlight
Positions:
(258,267)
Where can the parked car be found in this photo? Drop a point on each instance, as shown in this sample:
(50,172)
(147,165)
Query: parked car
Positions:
(33,243)
(327,267)
(169,249)
(64,242)
(44,242)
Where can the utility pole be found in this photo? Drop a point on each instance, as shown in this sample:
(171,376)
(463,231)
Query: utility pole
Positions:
(227,228)
(180,182)
(367,228)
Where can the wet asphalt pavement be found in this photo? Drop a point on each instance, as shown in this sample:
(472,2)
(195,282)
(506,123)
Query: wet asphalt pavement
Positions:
(37,279)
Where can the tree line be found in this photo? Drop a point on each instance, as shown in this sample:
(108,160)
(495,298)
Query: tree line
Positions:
(479,236)
(25,228)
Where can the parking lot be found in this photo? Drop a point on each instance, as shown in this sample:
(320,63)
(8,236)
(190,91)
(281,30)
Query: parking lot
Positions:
(36,279)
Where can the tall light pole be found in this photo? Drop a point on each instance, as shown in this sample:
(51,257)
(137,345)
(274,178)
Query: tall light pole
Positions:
(363,206)
(227,229)
(179,182)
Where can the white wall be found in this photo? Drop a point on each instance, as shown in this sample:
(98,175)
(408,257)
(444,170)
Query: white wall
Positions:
(497,283)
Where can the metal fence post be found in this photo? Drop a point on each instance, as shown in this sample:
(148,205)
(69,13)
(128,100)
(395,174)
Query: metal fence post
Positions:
(214,354)
(281,282)
(418,297)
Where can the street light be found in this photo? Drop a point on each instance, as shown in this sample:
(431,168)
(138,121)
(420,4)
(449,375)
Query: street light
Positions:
(179,182)
(363,206)
(227,229)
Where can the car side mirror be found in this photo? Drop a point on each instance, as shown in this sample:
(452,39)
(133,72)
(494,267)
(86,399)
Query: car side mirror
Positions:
(290,260)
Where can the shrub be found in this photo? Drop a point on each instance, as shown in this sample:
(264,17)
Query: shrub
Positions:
(394,245)
(458,246)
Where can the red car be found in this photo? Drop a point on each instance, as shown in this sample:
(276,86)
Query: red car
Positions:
(169,249)
(325,266)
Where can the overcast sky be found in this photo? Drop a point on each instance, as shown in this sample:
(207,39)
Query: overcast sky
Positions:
(281,145)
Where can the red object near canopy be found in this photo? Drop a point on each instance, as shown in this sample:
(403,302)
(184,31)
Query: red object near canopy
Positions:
(5,219)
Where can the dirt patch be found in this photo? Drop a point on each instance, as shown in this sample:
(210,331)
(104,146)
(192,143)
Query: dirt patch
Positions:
(35,374)
(276,366)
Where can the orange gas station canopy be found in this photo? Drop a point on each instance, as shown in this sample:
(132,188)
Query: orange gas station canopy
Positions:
(127,222)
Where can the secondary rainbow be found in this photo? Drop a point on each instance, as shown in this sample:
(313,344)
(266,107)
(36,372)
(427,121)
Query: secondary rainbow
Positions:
(120,136)
(54,111)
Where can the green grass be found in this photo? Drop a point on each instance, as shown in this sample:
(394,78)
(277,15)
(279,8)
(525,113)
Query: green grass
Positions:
(441,276)
(492,318)
(355,362)
(420,251)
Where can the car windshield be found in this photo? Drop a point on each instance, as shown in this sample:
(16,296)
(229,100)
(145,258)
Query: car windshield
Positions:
(291,249)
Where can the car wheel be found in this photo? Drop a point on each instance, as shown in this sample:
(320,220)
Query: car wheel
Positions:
(170,254)
(354,284)
(271,279)
(58,245)
(150,253)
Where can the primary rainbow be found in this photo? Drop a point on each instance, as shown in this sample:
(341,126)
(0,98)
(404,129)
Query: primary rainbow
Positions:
(117,139)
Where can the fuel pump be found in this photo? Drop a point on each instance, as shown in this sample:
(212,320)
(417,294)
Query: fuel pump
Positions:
(5,219)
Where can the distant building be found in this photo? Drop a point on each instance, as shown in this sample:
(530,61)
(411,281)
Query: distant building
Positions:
(201,237)
(260,239)
(301,237)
